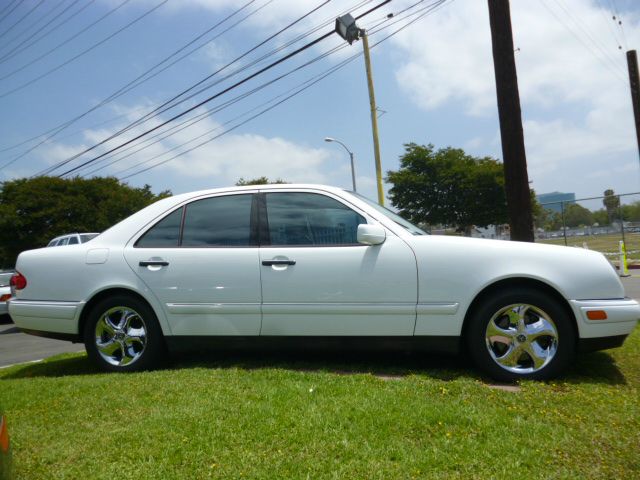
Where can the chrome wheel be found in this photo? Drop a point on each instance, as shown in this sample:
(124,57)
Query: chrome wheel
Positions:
(521,338)
(120,336)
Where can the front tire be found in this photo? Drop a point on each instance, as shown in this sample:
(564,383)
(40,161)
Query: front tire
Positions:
(122,334)
(521,334)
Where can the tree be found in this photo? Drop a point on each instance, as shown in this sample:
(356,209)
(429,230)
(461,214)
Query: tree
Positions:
(576,215)
(258,181)
(448,187)
(33,211)
(600,217)
(611,202)
(540,214)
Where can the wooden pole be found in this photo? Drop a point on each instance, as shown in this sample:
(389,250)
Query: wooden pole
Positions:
(511,131)
(634,84)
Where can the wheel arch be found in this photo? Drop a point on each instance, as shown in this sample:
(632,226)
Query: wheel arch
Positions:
(519,282)
(109,292)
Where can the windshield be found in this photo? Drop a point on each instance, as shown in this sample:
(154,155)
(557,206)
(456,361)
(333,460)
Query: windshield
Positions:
(410,227)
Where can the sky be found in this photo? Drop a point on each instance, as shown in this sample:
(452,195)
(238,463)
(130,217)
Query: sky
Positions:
(434,84)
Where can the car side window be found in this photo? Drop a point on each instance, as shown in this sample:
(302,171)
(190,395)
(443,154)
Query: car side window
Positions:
(63,241)
(218,222)
(165,233)
(73,240)
(297,218)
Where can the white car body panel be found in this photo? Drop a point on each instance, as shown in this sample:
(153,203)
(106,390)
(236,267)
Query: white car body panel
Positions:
(408,285)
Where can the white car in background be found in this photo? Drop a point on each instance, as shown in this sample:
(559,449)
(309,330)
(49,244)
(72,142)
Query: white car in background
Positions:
(5,291)
(72,239)
(317,265)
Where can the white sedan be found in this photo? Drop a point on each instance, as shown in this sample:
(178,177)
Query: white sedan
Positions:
(317,265)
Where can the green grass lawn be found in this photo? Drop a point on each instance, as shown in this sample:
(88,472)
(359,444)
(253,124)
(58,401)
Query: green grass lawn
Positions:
(329,416)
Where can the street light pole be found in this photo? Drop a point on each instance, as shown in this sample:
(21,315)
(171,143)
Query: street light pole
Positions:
(353,168)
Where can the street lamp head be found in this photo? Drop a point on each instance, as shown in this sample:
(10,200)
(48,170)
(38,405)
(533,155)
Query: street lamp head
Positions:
(329,139)
(346,27)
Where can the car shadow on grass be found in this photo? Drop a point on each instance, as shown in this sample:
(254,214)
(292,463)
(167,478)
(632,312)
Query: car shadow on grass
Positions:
(386,365)
(592,368)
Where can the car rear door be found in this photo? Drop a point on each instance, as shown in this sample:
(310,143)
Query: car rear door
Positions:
(317,280)
(202,262)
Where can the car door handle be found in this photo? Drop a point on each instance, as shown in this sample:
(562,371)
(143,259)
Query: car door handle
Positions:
(153,263)
(269,263)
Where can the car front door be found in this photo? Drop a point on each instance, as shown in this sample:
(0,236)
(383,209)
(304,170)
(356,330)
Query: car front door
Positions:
(202,262)
(317,280)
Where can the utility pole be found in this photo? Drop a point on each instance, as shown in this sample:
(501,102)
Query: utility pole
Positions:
(374,116)
(634,83)
(346,27)
(511,132)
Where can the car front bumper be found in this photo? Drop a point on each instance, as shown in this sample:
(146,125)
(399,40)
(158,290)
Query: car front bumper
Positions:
(622,316)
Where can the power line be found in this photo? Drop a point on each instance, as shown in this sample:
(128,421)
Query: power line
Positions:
(607,17)
(126,88)
(63,43)
(262,112)
(129,86)
(29,42)
(37,5)
(426,11)
(4,15)
(614,71)
(85,51)
(147,116)
(222,92)
(32,25)
(50,169)
(207,100)
(202,116)
(159,109)
(585,29)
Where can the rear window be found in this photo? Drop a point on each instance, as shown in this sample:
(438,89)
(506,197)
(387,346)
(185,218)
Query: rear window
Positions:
(85,237)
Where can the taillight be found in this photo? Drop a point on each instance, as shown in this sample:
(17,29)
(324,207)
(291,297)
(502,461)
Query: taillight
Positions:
(4,435)
(18,281)
(4,298)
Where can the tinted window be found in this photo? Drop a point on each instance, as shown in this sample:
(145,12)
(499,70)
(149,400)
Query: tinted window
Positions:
(52,243)
(165,233)
(218,222)
(310,219)
(73,240)
(63,241)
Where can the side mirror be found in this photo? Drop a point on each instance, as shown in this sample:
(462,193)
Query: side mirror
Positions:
(371,234)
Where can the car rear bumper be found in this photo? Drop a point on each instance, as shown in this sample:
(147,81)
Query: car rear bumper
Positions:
(622,316)
(47,316)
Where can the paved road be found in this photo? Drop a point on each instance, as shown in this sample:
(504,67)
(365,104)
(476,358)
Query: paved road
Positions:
(16,347)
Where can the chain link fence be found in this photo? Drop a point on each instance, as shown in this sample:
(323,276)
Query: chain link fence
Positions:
(596,223)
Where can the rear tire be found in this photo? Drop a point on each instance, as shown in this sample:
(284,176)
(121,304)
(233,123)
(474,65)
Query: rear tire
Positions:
(521,334)
(122,334)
